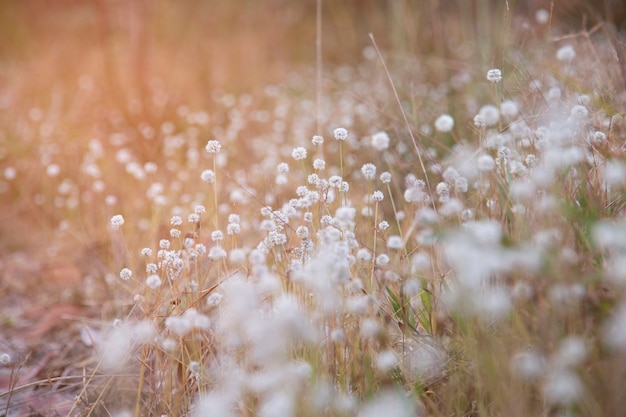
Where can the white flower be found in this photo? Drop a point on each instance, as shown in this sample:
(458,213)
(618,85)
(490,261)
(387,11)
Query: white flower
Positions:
(394,242)
(380,141)
(298,153)
(213,146)
(489,114)
(369,171)
(153,281)
(494,75)
(566,53)
(126,274)
(444,123)
(377,196)
(283,168)
(319,164)
(317,140)
(208,176)
(340,133)
(385,177)
(117,221)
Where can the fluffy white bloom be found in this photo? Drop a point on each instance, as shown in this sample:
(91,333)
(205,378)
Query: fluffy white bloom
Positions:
(369,171)
(213,146)
(340,133)
(298,153)
(444,123)
(126,274)
(117,221)
(489,114)
(395,242)
(319,164)
(208,176)
(153,281)
(566,53)
(378,196)
(380,141)
(317,140)
(494,75)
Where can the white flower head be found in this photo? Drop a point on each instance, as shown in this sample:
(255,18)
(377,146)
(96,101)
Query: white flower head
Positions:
(369,171)
(380,141)
(566,53)
(317,140)
(494,75)
(213,146)
(444,123)
(126,274)
(298,153)
(340,133)
(117,221)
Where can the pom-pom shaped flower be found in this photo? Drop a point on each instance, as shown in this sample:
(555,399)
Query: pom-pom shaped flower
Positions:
(444,123)
(494,75)
(213,146)
(380,141)
(340,133)
(117,221)
(299,153)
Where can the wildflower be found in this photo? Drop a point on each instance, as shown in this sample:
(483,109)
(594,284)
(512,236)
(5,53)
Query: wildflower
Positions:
(176,221)
(126,274)
(395,242)
(335,181)
(489,114)
(214,299)
(340,133)
(234,218)
(566,53)
(369,171)
(117,221)
(213,146)
(509,108)
(302,232)
(494,75)
(486,163)
(216,253)
(175,233)
(5,359)
(199,209)
(542,16)
(193,218)
(380,141)
(579,112)
(164,244)
(444,123)
(386,360)
(233,229)
(307,217)
(283,168)
(208,176)
(153,281)
(147,252)
(385,177)
(363,255)
(382,259)
(377,196)
(151,268)
(317,140)
(319,164)
(298,153)
(217,235)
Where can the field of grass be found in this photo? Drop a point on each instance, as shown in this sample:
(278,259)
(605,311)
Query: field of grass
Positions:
(392,208)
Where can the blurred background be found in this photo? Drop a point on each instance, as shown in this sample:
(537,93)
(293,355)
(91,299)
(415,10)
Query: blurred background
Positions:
(137,47)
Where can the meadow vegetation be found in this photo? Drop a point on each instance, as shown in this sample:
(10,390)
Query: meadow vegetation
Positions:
(196,224)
